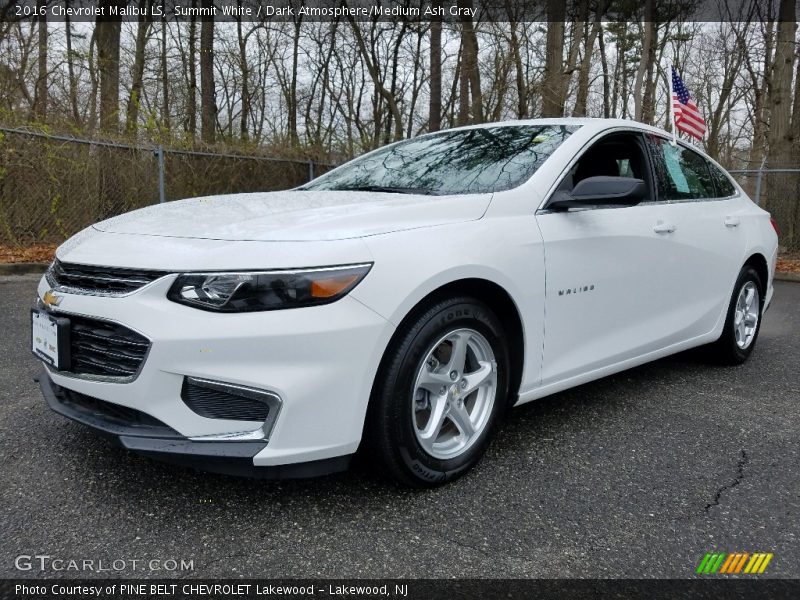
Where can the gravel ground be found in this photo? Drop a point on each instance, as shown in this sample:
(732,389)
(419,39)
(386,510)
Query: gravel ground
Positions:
(636,475)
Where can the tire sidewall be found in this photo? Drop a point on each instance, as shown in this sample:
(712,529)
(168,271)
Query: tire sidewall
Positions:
(459,314)
(747,274)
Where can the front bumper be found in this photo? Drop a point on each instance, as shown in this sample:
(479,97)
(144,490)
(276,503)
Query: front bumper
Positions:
(321,361)
(157,440)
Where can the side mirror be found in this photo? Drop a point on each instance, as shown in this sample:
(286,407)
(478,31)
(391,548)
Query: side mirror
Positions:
(602,191)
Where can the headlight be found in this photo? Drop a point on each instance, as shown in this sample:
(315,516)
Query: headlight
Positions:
(266,290)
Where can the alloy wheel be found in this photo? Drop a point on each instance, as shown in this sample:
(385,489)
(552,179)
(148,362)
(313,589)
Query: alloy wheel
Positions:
(454,392)
(745,318)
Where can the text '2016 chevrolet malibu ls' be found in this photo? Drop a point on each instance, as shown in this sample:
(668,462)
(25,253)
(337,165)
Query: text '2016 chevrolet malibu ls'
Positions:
(403,301)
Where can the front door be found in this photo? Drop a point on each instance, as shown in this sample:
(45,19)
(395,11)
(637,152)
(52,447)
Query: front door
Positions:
(611,291)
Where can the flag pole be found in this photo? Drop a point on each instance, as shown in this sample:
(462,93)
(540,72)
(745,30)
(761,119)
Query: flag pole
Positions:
(672,107)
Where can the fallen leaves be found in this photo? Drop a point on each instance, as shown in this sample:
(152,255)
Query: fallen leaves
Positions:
(37,253)
(788,264)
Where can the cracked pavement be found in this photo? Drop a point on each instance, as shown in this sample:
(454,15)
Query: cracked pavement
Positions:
(736,481)
(635,475)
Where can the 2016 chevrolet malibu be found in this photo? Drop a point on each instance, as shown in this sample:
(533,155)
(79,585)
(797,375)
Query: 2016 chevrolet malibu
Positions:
(403,301)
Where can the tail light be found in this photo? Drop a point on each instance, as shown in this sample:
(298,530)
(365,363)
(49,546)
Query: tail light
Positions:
(775,226)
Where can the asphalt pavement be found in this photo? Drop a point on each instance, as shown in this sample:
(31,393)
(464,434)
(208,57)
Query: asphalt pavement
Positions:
(636,475)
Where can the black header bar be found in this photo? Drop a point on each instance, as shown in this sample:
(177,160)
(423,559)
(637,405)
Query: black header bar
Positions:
(419,11)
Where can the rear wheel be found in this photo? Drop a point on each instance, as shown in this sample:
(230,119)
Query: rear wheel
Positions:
(440,393)
(743,320)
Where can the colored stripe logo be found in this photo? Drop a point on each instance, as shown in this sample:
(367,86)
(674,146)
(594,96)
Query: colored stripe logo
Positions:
(734,563)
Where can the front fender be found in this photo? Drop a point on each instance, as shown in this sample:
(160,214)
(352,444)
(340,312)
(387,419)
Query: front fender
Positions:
(410,265)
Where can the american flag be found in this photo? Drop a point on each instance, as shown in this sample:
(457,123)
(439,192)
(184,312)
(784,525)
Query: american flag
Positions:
(687,116)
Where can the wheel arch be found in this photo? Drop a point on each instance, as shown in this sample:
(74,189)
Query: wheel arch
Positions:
(498,299)
(759,262)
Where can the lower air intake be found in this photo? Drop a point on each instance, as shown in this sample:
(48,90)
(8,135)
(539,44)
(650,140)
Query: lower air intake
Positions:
(110,417)
(217,400)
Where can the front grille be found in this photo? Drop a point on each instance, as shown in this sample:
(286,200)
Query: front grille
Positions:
(104,348)
(106,281)
(215,400)
(110,415)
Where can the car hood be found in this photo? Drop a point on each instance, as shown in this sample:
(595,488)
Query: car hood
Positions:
(297,215)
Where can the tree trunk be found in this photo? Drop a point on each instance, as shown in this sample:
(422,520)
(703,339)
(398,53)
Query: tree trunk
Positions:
(191,97)
(110,198)
(449,108)
(519,68)
(586,64)
(292,104)
(645,58)
(323,134)
(795,127)
(393,86)
(463,87)
(40,104)
(137,77)
(417,82)
(619,79)
(471,66)
(606,83)
(73,82)
(554,60)
(245,69)
(166,121)
(782,186)
(108,37)
(572,57)
(649,96)
(795,154)
(435,105)
(759,82)
(93,77)
(208,103)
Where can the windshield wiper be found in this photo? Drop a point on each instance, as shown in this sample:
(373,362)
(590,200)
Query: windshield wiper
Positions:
(388,189)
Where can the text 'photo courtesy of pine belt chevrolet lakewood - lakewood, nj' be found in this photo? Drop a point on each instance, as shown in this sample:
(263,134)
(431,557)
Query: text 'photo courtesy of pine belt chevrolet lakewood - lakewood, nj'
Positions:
(401,303)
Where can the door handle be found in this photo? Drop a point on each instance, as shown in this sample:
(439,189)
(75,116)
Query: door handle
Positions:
(732,221)
(661,227)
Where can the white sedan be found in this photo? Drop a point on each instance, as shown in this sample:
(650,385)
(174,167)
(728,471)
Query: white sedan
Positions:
(402,302)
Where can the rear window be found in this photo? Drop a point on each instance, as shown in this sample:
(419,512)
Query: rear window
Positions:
(722,183)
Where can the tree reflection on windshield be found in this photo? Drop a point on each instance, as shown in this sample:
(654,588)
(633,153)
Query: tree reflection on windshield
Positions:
(464,161)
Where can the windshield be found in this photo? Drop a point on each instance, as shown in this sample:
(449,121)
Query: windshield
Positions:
(467,161)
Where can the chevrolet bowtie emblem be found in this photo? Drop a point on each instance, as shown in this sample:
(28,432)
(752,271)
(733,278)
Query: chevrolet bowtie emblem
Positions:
(50,299)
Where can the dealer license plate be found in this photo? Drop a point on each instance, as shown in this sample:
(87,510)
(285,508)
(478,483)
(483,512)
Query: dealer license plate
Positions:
(50,338)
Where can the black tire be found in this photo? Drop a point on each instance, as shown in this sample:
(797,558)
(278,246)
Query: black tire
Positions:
(725,350)
(390,440)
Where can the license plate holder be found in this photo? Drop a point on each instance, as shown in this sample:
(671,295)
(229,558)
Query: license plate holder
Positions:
(50,339)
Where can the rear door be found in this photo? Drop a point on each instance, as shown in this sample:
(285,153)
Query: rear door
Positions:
(708,240)
(613,284)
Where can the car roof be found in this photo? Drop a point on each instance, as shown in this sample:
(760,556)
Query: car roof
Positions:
(594,123)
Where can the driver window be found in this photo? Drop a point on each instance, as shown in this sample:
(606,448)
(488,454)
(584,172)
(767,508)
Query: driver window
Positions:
(616,155)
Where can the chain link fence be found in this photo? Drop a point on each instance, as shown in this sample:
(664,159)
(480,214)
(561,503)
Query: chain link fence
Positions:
(53,186)
(778,191)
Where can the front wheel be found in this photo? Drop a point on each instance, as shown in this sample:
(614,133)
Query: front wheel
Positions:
(743,320)
(440,393)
